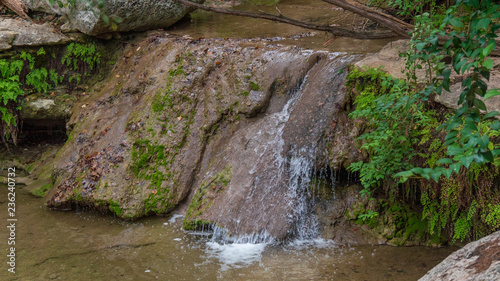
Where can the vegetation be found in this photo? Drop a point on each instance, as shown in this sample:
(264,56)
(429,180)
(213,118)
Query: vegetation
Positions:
(26,73)
(449,159)
(204,196)
(40,192)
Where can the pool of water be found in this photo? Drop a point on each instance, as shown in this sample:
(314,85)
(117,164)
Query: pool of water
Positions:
(212,25)
(81,245)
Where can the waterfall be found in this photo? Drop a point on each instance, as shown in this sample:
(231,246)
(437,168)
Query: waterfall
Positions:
(273,199)
(282,165)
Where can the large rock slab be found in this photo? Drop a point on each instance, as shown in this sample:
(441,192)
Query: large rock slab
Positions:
(218,129)
(479,260)
(15,32)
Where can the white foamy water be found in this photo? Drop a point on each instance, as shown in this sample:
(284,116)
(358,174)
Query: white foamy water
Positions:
(236,255)
(174,217)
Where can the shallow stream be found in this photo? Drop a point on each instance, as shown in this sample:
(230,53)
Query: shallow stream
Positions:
(211,25)
(81,245)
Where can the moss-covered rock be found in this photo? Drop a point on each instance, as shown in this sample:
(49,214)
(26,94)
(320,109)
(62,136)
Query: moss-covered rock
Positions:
(204,198)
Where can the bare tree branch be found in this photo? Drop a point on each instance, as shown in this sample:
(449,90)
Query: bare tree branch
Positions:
(398,26)
(339,32)
(17,6)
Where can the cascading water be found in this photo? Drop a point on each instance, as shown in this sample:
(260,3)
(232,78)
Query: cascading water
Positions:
(273,128)
(288,176)
(301,194)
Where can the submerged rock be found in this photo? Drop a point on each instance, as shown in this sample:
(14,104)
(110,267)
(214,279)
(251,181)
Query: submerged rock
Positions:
(478,260)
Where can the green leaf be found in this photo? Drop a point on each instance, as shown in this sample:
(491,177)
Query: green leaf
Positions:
(495,125)
(454,124)
(491,93)
(483,141)
(454,150)
(436,175)
(446,84)
(456,22)
(488,64)
(488,49)
(459,65)
(479,104)
(444,161)
(491,114)
(466,160)
(117,19)
(447,173)
(488,155)
(485,72)
(105,18)
(451,135)
(417,170)
(420,46)
(405,174)
(483,23)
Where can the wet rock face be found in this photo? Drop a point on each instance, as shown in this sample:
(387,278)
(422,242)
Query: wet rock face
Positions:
(478,260)
(233,128)
(273,158)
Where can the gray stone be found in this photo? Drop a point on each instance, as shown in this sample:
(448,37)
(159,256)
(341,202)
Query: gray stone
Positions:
(137,15)
(450,99)
(28,34)
(478,260)
(45,109)
(43,6)
(223,121)
(6,38)
(388,59)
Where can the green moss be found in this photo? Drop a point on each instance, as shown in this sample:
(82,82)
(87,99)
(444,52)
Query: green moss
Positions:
(115,208)
(159,201)
(177,71)
(204,196)
(42,191)
(196,224)
(254,86)
(77,195)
